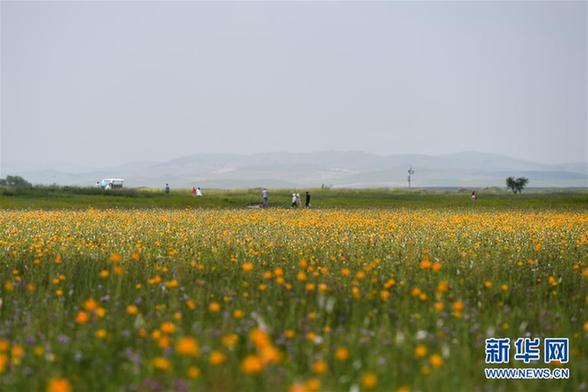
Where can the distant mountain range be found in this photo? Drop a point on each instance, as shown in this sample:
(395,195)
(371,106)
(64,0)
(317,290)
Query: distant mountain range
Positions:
(340,169)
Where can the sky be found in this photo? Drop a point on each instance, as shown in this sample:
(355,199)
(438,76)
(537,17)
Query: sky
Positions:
(94,84)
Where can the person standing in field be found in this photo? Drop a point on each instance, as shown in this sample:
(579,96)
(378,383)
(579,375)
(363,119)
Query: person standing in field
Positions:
(198,192)
(167,189)
(294,205)
(264,198)
(193,191)
(298,203)
(307,201)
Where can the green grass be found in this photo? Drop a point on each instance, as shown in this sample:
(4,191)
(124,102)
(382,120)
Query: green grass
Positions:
(81,198)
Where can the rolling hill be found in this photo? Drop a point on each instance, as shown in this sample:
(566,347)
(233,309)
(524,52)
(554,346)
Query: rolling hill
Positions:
(336,168)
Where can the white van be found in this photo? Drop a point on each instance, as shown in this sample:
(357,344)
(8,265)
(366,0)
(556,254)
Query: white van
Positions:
(111,183)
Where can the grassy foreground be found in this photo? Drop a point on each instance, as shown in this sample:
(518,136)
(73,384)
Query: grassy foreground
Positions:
(80,198)
(276,300)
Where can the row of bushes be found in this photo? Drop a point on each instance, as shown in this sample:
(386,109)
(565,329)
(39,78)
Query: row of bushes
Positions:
(54,190)
(18,186)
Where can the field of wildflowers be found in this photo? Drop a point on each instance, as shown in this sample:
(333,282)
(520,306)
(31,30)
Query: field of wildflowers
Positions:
(278,300)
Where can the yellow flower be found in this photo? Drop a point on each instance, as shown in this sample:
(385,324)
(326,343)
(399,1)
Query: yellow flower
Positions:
(259,338)
(59,385)
(4,345)
(442,286)
(313,384)
(389,283)
(369,380)
(193,372)
(132,309)
(252,364)
(115,258)
(230,341)
(216,358)
(552,280)
(436,360)
(163,342)
(187,346)
(160,363)
(320,367)
(457,306)
(82,317)
(214,307)
(90,305)
(172,284)
(190,304)
(3,362)
(246,267)
(101,334)
(168,327)
(426,264)
(17,353)
(270,354)
(297,388)
(238,313)
(420,351)
(341,354)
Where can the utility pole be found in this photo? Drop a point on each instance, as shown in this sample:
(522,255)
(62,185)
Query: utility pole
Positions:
(410,173)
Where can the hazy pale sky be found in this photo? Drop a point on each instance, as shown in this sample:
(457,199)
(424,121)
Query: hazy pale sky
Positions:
(102,83)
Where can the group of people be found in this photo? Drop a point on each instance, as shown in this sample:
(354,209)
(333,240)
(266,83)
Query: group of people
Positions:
(196,191)
(296,200)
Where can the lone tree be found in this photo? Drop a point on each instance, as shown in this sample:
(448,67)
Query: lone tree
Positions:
(516,185)
(15,182)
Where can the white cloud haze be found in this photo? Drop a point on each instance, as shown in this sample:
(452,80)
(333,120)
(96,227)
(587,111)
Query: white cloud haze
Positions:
(99,84)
